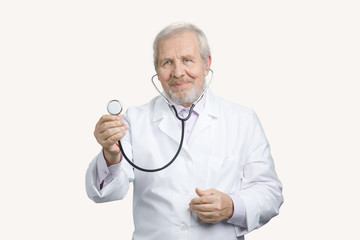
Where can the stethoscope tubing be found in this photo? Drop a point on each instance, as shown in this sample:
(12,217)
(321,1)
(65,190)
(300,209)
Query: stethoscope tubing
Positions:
(182,128)
(177,152)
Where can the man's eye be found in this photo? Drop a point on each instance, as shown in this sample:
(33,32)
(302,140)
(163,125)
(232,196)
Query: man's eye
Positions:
(167,62)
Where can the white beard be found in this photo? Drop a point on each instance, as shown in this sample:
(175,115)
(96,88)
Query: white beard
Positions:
(181,97)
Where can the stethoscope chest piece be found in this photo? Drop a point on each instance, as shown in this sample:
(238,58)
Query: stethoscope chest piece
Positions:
(114,107)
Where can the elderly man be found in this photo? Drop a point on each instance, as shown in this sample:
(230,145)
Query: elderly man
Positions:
(223,183)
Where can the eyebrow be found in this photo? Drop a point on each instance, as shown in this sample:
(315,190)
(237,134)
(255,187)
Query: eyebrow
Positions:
(170,59)
(188,56)
(165,59)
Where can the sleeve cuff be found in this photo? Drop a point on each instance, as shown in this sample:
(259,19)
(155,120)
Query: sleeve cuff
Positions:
(104,173)
(239,216)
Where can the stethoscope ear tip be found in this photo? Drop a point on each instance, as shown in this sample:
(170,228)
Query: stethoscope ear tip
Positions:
(114,107)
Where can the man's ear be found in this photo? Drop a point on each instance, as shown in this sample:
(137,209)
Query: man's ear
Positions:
(207,67)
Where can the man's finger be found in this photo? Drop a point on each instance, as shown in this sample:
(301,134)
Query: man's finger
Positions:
(198,208)
(201,200)
(202,193)
(108,118)
(208,217)
(110,125)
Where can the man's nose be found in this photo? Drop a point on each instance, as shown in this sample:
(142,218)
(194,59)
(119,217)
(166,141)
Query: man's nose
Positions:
(178,70)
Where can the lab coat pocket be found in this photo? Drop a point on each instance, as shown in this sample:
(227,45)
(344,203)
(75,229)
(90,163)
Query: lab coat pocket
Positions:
(224,174)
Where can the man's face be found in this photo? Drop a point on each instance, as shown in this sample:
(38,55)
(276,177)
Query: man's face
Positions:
(181,70)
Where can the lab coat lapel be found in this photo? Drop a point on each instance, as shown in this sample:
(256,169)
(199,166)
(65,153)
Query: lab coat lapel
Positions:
(207,116)
(166,121)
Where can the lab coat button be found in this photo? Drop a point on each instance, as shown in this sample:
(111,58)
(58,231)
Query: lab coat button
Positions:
(183,228)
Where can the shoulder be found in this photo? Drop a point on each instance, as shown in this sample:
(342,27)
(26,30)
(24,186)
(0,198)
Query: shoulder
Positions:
(230,109)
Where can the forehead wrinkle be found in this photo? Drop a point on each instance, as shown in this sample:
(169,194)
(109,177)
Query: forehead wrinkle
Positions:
(177,52)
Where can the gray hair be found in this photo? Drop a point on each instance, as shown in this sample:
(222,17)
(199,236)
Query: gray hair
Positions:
(174,28)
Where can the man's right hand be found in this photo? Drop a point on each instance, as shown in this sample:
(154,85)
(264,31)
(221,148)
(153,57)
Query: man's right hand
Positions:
(108,131)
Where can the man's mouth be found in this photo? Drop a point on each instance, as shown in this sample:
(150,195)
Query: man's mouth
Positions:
(180,84)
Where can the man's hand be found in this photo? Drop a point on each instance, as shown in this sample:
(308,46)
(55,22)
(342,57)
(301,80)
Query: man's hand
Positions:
(108,131)
(212,206)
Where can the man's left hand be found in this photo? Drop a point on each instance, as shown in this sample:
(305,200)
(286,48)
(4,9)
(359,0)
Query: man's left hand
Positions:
(212,206)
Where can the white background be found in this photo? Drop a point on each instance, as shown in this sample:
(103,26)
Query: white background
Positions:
(295,62)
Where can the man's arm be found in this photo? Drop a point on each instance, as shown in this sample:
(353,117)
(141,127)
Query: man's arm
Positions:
(258,199)
(107,178)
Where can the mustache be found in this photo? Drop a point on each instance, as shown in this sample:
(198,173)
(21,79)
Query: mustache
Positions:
(174,81)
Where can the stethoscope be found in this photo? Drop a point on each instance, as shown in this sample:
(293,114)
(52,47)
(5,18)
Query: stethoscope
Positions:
(114,107)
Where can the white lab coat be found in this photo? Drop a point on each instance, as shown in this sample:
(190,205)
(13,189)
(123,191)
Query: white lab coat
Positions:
(227,150)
